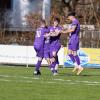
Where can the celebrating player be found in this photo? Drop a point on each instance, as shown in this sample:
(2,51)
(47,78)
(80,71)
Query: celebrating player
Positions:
(55,45)
(39,45)
(73,44)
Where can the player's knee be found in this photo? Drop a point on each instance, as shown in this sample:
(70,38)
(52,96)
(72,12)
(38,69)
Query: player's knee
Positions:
(69,52)
(53,59)
(40,58)
(74,53)
(48,61)
(54,54)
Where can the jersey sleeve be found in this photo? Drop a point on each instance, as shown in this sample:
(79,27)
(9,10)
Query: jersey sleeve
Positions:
(74,23)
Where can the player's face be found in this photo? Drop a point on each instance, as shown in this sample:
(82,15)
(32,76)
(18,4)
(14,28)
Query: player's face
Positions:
(56,23)
(69,18)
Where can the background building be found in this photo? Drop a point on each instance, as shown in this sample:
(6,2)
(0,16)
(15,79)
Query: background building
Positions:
(13,12)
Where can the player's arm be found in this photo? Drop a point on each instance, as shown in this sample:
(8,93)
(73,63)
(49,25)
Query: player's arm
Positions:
(69,30)
(53,34)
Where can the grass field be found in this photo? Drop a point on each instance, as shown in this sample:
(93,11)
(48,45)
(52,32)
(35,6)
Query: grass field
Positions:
(18,83)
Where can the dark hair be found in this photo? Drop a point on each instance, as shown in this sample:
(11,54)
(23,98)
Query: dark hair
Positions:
(57,19)
(71,14)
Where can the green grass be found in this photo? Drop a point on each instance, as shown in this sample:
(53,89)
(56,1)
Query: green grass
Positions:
(18,83)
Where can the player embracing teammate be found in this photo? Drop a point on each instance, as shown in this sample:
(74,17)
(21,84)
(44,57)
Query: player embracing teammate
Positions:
(39,45)
(55,45)
(47,44)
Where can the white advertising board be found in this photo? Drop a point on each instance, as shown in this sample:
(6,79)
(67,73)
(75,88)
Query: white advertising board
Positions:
(13,54)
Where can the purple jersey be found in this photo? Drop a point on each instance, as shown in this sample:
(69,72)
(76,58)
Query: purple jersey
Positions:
(39,41)
(47,46)
(47,39)
(39,37)
(47,43)
(55,39)
(74,36)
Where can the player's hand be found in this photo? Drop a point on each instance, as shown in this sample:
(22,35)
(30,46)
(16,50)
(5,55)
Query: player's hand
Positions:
(61,31)
(57,31)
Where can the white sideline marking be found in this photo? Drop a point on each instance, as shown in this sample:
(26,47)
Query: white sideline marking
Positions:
(51,82)
(48,82)
(6,76)
(93,84)
(62,80)
(17,77)
(24,81)
(36,78)
(57,79)
(60,83)
(87,82)
(5,80)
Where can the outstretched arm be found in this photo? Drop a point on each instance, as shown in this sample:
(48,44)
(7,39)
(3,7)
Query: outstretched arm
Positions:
(53,34)
(69,30)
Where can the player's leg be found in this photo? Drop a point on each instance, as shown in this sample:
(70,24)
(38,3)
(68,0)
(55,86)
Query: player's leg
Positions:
(40,55)
(37,66)
(56,62)
(75,47)
(71,55)
(77,59)
(52,60)
(56,50)
(47,57)
(75,63)
(48,61)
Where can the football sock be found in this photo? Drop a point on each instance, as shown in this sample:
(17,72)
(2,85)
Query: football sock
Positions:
(72,57)
(37,66)
(77,59)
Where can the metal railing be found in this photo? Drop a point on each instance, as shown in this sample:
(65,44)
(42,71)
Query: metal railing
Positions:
(88,39)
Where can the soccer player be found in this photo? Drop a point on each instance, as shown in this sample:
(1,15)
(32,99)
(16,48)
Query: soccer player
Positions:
(55,44)
(73,44)
(39,45)
(47,48)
